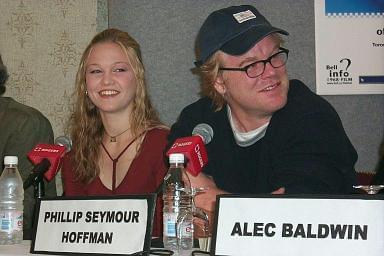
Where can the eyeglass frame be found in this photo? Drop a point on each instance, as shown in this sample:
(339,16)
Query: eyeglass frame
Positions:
(245,69)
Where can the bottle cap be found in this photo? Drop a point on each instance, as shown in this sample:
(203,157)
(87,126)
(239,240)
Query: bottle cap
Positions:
(176,158)
(11,160)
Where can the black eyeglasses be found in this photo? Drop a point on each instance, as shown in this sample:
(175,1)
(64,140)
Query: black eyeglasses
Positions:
(257,68)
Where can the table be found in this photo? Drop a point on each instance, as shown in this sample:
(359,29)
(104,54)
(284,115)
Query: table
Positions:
(18,249)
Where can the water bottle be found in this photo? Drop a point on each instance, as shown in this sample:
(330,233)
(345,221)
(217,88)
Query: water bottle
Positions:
(177,211)
(184,225)
(11,202)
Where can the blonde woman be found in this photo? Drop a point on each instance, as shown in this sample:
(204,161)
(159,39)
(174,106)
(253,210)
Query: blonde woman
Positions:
(117,136)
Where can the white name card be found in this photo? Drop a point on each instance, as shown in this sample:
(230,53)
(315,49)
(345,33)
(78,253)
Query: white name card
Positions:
(286,225)
(98,225)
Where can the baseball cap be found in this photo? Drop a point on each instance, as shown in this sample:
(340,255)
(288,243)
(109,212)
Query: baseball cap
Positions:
(234,30)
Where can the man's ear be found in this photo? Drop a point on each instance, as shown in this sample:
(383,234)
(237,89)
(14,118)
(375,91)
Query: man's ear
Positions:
(220,84)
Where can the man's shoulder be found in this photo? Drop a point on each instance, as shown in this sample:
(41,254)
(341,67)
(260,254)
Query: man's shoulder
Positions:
(22,117)
(203,103)
(303,101)
(303,109)
(203,111)
(202,108)
(19,111)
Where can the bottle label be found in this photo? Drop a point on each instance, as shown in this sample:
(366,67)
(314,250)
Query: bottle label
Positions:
(186,229)
(170,220)
(11,221)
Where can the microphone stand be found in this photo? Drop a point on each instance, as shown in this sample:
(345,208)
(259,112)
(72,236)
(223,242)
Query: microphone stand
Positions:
(39,187)
(38,193)
(36,177)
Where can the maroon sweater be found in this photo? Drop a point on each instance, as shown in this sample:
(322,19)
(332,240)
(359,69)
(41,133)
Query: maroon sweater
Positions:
(145,174)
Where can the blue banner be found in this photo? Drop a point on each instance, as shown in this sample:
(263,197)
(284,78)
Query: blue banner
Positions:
(355,7)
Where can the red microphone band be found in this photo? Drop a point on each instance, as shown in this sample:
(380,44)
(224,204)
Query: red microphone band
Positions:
(53,153)
(194,150)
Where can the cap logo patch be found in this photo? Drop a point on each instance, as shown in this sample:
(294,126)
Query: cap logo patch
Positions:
(244,16)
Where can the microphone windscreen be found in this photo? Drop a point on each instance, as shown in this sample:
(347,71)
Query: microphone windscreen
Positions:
(64,141)
(193,149)
(53,153)
(205,131)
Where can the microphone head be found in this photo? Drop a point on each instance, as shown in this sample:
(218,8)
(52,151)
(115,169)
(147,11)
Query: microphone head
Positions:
(64,141)
(53,153)
(205,131)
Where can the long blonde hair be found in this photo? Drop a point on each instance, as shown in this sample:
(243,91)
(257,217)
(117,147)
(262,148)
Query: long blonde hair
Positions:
(85,125)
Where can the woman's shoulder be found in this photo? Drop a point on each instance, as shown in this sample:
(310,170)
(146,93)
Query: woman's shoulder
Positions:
(67,164)
(71,187)
(156,137)
(158,132)
(155,142)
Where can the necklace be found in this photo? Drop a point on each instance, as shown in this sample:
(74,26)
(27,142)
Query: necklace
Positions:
(113,138)
(115,160)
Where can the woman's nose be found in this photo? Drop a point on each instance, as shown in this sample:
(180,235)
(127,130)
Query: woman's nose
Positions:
(107,78)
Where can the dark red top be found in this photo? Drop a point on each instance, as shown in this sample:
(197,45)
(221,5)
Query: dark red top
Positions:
(145,174)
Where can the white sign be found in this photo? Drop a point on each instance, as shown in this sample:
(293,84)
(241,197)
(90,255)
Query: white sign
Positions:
(297,226)
(349,46)
(94,225)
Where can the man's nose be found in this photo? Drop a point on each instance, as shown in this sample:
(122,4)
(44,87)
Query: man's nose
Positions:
(269,70)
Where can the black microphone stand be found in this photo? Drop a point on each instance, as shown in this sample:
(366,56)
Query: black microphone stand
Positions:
(39,187)
(36,178)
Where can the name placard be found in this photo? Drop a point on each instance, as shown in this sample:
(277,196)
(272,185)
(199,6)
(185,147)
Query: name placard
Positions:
(288,225)
(97,225)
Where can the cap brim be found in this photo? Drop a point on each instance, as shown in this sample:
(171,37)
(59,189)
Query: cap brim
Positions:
(245,41)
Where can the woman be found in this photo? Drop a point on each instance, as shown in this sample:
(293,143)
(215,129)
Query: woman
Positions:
(117,136)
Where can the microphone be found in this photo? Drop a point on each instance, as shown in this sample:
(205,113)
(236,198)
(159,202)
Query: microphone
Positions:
(64,141)
(47,159)
(205,131)
(193,147)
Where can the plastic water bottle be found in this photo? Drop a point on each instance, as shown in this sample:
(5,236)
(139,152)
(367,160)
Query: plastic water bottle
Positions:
(11,202)
(177,212)
(184,226)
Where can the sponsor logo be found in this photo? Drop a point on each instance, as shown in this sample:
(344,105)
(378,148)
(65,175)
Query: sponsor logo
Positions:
(338,74)
(51,150)
(240,17)
(199,156)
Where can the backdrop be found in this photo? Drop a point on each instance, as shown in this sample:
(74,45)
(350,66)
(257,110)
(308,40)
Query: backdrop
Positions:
(41,44)
(167,30)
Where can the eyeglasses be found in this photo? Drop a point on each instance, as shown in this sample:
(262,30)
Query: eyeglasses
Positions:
(257,68)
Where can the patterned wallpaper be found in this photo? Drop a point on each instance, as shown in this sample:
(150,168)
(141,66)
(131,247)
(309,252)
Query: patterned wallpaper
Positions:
(41,42)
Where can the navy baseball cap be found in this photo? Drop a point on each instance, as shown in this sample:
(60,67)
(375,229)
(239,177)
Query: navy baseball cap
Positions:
(233,30)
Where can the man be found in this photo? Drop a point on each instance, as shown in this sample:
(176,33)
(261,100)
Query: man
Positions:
(378,178)
(271,134)
(22,127)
